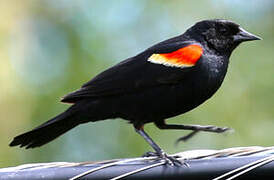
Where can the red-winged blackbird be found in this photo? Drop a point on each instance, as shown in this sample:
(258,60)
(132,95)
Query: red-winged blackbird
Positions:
(168,79)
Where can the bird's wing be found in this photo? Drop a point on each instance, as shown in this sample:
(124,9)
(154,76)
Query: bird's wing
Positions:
(164,63)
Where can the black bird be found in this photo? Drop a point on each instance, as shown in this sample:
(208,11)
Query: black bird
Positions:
(167,79)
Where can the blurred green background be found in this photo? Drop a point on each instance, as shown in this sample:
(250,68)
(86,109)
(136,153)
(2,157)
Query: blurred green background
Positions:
(50,48)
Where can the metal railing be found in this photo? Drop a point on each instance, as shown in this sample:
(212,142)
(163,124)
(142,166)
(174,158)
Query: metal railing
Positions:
(233,163)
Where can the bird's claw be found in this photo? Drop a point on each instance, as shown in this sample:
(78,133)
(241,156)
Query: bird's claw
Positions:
(170,160)
(215,129)
(150,154)
(209,128)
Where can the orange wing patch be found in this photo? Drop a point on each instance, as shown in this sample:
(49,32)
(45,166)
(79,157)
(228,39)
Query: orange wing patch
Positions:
(184,57)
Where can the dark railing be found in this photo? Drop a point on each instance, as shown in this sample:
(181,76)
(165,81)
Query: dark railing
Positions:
(233,163)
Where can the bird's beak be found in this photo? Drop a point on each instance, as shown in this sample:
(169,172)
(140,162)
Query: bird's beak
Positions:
(243,35)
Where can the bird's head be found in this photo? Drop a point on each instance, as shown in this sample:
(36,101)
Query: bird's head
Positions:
(221,35)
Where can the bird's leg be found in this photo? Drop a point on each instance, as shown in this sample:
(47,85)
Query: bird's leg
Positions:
(186,137)
(194,128)
(159,152)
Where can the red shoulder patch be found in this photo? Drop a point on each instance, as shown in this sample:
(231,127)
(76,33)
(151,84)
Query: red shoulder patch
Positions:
(184,57)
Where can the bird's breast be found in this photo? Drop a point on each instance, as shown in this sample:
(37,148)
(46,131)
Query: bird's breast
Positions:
(210,74)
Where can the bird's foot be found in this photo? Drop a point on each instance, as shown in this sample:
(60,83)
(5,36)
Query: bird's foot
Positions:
(209,128)
(150,154)
(215,129)
(170,160)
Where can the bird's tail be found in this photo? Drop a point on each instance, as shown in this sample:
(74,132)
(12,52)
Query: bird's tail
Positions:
(47,131)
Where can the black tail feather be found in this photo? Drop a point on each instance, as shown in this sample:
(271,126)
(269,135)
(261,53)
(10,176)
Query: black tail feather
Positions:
(46,132)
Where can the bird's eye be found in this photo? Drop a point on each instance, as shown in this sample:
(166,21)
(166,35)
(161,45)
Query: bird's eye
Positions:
(223,31)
